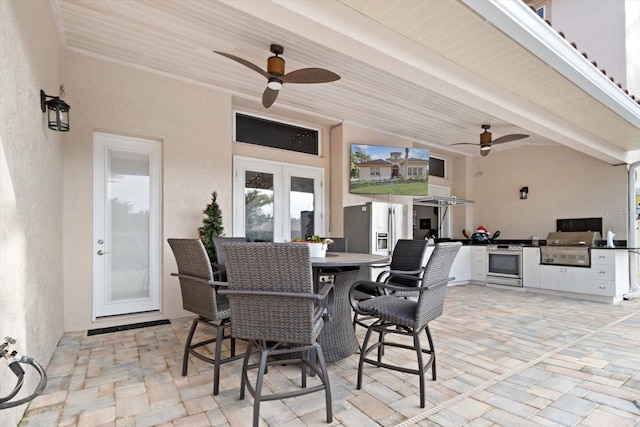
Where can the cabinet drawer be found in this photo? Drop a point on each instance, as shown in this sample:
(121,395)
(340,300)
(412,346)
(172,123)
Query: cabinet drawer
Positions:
(603,287)
(603,257)
(603,272)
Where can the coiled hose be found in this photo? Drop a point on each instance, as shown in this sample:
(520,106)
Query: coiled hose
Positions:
(5,402)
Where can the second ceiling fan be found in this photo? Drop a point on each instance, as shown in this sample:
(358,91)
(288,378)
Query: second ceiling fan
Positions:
(486,142)
(276,76)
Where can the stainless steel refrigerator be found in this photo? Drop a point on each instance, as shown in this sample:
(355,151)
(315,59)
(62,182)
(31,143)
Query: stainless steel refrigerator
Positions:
(374,228)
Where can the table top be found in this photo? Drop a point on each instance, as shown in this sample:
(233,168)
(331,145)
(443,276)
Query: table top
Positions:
(342,259)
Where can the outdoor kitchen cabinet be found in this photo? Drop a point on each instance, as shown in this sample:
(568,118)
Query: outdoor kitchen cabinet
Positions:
(566,279)
(609,272)
(478,264)
(461,267)
(531,267)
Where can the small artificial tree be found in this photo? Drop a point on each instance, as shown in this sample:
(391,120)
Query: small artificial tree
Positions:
(211,226)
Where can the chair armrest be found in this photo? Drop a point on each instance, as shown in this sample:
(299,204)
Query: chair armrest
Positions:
(201,280)
(411,275)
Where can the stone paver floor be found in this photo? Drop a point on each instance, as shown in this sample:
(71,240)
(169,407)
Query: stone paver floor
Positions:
(504,358)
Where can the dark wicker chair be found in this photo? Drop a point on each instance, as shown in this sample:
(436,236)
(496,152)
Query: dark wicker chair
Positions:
(405,269)
(339,244)
(220,272)
(200,296)
(407,316)
(274,307)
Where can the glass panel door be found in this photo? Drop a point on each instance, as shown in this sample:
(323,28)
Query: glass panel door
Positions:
(279,201)
(127,234)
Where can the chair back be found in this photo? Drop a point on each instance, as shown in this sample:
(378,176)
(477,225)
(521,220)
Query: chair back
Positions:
(408,255)
(196,278)
(217,244)
(278,268)
(339,244)
(431,303)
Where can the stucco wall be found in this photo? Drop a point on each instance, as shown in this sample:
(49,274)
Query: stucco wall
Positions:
(193,124)
(31,291)
(562,184)
(632,24)
(598,28)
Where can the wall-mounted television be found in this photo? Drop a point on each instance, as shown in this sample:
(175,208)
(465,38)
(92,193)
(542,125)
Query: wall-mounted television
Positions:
(379,169)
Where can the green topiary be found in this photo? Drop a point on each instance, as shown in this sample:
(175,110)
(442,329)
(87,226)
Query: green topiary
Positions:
(211,226)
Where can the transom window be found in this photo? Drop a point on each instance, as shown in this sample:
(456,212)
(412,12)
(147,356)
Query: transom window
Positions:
(267,133)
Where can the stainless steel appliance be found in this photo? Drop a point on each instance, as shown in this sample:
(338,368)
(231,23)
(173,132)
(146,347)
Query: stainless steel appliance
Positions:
(375,227)
(504,265)
(570,248)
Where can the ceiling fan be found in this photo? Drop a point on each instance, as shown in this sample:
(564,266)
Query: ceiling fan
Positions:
(276,76)
(486,143)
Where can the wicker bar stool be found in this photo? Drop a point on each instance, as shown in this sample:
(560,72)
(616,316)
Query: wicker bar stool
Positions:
(200,296)
(397,315)
(274,307)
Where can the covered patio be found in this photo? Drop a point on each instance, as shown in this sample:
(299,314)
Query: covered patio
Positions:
(504,358)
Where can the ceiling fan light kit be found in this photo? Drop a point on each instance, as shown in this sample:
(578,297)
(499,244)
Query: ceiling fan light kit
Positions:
(274,84)
(276,77)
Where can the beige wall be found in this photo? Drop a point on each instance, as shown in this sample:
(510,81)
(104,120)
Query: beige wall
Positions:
(31,291)
(192,123)
(562,184)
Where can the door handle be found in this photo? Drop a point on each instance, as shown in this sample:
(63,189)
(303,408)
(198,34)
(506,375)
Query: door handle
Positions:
(101,252)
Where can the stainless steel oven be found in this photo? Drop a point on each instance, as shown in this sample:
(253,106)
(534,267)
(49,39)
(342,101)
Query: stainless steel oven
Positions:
(504,265)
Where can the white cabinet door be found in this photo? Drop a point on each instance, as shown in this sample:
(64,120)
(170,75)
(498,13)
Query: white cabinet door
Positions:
(461,268)
(531,267)
(577,279)
(478,263)
(551,277)
(568,279)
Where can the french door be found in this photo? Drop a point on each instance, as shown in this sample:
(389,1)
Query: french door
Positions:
(276,201)
(126,225)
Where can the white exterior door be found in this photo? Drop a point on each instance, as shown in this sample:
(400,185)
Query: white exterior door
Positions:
(276,201)
(127,233)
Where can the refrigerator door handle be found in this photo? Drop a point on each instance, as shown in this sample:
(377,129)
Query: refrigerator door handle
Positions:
(391,226)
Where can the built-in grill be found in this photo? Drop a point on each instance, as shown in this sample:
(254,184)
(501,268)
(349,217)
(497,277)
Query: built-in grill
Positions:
(571,248)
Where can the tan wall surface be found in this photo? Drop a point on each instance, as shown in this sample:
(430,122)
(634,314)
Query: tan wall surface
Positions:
(193,124)
(31,291)
(562,184)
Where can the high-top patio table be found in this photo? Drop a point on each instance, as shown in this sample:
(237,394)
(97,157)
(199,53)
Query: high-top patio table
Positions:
(337,338)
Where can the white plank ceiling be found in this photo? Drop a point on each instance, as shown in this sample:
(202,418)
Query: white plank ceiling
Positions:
(431,71)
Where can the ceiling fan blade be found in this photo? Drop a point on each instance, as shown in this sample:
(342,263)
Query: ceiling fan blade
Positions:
(269,97)
(245,63)
(508,138)
(465,143)
(310,75)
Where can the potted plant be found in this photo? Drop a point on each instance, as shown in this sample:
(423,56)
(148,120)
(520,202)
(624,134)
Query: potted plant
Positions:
(317,245)
(211,227)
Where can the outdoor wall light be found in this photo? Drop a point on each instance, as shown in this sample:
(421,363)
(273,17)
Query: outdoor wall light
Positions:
(58,116)
(524,191)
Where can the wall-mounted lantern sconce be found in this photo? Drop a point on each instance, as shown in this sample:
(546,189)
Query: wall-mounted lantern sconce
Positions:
(58,116)
(524,191)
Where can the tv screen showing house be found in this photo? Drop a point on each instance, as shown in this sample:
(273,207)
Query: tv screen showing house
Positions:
(378,169)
